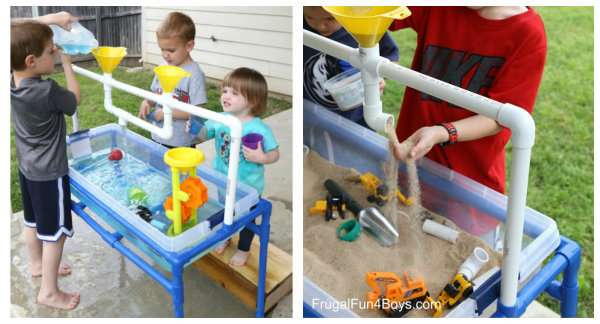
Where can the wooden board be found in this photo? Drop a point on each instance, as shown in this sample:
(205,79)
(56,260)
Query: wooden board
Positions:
(242,282)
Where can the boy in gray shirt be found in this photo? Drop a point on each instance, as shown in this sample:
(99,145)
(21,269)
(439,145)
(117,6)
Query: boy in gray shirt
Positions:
(38,107)
(176,41)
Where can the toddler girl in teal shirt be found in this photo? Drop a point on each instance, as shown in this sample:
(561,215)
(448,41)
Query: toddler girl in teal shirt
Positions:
(244,95)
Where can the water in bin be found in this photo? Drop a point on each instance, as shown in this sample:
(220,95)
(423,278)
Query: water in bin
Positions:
(78,40)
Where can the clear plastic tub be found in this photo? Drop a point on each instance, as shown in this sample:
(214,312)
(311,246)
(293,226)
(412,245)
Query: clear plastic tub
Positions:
(103,138)
(347,144)
(346,89)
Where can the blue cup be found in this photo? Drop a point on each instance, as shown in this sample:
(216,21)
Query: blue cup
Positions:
(196,124)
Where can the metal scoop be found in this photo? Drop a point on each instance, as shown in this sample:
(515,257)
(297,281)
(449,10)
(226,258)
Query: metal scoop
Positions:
(374,221)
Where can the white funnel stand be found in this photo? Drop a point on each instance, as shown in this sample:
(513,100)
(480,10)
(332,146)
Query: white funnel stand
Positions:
(168,103)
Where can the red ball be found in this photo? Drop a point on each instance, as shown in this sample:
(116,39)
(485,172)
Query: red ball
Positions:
(115,155)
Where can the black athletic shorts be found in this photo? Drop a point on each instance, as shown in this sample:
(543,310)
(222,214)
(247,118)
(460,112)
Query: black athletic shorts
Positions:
(47,207)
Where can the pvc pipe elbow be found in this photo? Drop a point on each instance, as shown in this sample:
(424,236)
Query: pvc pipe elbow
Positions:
(377,120)
(440,231)
(473,264)
(520,123)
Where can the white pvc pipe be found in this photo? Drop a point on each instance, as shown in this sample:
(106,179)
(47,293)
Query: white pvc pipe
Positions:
(441,231)
(168,103)
(75,122)
(368,60)
(372,106)
(513,236)
(516,119)
(473,264)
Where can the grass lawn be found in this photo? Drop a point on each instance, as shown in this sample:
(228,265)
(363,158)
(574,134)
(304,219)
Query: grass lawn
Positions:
(561,175)
(91,111)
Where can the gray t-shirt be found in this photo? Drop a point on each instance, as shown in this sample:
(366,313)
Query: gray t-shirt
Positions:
(37,109)
(190,90)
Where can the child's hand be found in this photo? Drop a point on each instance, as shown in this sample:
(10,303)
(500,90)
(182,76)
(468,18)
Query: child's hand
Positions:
(65,59)
(62,19)
(255,156)
(423,140)
(381,86)
(144,109)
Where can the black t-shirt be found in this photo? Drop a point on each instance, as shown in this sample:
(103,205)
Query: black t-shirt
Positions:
(319,67)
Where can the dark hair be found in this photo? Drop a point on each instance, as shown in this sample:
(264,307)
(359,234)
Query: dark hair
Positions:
(27,38)
(178,25)
(252,85)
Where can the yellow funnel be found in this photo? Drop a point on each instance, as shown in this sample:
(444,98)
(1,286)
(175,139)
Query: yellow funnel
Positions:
(367,24)
(169,76)
(109,57)
(183,157)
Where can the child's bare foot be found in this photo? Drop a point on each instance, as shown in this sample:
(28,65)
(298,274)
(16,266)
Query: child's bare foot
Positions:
(63,270)
(239,258)
(220,249)
(60,300)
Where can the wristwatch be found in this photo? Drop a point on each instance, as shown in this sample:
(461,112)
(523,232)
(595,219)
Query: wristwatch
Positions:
(453,135)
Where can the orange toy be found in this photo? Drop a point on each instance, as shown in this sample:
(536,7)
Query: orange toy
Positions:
(195,188)
(185,211)
(197,196)
(396,291)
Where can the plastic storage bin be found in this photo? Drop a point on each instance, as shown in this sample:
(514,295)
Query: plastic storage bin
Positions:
(349,145)
(112,135)
(346,89)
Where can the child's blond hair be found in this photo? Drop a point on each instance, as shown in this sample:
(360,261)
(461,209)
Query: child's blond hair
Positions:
(252,85)
(177,25)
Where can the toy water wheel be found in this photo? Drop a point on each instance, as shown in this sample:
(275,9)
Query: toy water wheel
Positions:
(197,192)
(185,211)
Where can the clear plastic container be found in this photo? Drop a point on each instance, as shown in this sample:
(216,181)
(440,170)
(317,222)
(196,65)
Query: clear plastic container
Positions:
(346,89)
(112,135)
(349,145)
(78,40)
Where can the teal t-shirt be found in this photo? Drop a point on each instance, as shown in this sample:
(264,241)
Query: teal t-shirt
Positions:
(250,173)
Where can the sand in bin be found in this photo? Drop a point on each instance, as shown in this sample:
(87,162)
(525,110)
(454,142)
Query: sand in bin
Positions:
(340,267)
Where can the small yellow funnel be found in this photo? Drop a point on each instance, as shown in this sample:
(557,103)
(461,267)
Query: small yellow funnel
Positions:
(367,24)
(169,76)
(109,57)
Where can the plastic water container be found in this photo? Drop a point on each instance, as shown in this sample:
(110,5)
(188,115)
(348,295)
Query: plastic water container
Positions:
(346,89)
(121,218)
(78,40)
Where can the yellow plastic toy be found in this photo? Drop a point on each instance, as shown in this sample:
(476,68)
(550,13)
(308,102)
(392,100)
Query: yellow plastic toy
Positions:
(378,191)
(367,24)
(109,57)
(320,207)
(169,76)
(181,207)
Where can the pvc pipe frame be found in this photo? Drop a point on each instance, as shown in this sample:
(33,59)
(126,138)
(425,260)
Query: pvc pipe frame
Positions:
(515,118)
(166,132)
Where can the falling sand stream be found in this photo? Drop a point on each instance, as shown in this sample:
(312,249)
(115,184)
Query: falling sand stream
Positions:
(414,216)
